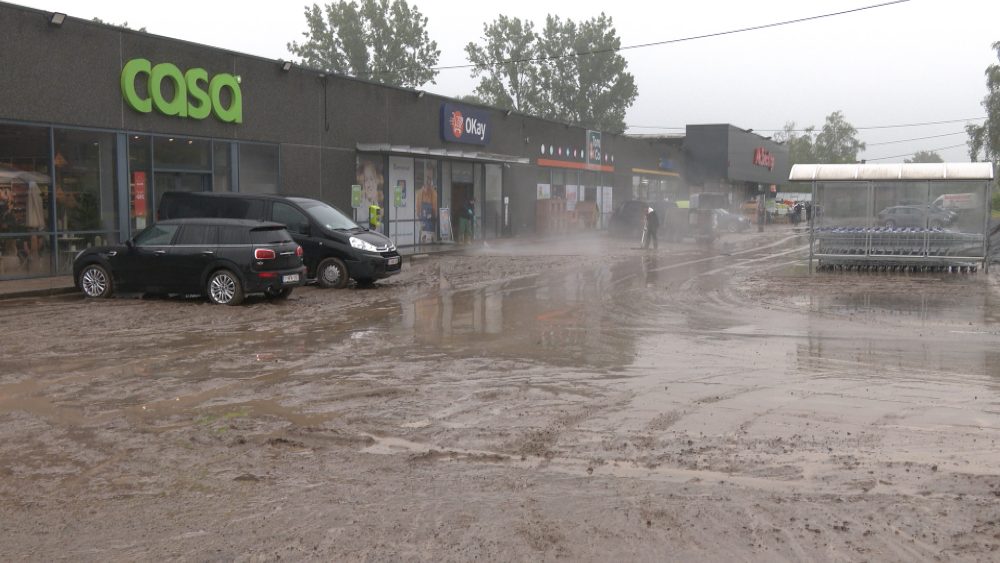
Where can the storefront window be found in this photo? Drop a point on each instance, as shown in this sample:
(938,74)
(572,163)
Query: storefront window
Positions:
(222,179)
(175,153)
(258,169)
(25,198)
(492,212)
(558,188)
(426,205)
(181,165)
(85,191)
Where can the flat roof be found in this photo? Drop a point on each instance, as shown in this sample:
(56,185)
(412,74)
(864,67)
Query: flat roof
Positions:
(900,172)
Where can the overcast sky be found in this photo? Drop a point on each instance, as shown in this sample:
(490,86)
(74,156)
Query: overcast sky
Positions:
(914,62)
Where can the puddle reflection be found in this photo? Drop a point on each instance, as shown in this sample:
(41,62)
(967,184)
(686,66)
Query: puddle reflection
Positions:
(556,319)
(960,313)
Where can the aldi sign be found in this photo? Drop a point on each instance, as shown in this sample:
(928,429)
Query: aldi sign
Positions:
(463,124)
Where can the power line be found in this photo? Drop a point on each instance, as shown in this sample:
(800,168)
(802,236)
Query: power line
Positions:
(913,153)
(922,124)
(669,41)
(915,139)
(803,130)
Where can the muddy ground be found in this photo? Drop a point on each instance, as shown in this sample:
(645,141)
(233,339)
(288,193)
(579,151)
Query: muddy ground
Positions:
(525,401)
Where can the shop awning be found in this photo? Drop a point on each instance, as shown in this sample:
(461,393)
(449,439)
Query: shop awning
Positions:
(407,150)
(908,171)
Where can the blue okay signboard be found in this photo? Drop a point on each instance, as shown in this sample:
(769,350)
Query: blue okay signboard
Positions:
(462,124)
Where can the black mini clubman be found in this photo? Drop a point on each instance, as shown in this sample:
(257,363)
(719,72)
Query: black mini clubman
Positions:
(225,259)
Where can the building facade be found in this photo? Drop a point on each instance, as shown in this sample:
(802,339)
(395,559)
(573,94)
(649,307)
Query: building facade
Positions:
(96,122)
(724,158)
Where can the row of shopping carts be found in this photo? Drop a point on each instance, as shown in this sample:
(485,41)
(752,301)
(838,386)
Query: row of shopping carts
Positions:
(896,249)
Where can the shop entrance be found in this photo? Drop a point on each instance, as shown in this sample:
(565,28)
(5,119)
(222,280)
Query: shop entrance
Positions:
(461,195)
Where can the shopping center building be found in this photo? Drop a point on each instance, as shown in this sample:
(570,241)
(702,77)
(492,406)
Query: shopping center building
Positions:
(96,122)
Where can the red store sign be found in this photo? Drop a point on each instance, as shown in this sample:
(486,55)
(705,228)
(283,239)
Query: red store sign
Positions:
(763,158)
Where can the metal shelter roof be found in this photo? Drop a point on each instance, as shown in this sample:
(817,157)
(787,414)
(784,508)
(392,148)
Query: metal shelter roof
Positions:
(891,172)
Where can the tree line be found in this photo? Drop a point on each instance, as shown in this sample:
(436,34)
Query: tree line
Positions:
(538,71)
(564,70)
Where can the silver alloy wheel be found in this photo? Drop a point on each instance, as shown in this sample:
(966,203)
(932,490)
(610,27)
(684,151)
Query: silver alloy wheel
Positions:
(331,274)
(223,288)
(94,281)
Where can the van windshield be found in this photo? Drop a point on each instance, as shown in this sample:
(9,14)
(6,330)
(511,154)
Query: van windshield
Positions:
(329,216)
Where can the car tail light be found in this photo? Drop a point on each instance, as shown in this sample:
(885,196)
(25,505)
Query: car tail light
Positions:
(298,251)
(267,275)
(264,254)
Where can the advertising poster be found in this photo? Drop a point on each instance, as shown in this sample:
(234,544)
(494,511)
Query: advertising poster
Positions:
(571,198)
(425,178)
(445,214)
(544,191)
(399,193)
(605,202)
(139,199)
(371,178)
(401,213)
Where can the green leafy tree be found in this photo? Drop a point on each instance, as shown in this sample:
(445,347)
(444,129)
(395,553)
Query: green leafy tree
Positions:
(373,40)
(511,84)
(924,156)
(984,140)
(470,99)
(837,142)
(800,143)
(568,71)
(123,25)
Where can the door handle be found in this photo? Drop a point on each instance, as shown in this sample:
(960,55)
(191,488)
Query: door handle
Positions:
(208,252)
(159,252)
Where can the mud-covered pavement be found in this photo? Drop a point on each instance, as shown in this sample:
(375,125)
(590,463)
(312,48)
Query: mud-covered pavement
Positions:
(584,401)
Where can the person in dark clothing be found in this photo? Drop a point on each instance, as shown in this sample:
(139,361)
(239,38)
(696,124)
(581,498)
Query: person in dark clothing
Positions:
(652,224)
(466,222)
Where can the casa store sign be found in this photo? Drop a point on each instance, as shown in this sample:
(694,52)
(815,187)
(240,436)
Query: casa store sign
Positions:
(462,124)
(761,157)
(193,93)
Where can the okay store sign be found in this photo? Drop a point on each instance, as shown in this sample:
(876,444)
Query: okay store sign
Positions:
(463,124)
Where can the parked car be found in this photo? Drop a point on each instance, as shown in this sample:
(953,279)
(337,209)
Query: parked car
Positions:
(731,222)
(915,216)
(336,248)
(225,259)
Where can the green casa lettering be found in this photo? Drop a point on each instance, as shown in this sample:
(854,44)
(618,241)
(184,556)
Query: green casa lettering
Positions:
(195,96)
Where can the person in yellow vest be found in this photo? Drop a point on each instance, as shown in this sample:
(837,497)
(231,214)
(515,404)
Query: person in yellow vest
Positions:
(374,217)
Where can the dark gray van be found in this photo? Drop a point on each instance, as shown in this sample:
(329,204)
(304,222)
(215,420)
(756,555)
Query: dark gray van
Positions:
(336,248)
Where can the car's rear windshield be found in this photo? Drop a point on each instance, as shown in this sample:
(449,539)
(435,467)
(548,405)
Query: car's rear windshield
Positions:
(270,236)
(329,216)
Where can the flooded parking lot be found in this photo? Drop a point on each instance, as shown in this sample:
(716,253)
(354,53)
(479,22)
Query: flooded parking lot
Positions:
(580,400)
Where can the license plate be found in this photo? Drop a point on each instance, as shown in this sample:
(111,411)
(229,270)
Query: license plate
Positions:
(394,260)
(290,278)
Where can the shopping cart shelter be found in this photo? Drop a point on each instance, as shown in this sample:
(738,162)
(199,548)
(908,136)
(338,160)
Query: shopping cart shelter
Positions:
(898,217)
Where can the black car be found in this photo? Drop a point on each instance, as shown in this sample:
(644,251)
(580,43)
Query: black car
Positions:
(730,222)
(916,216)
(336,248)
(225,259)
